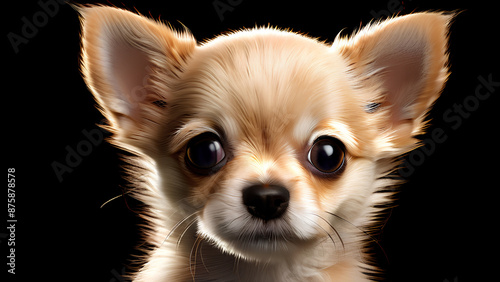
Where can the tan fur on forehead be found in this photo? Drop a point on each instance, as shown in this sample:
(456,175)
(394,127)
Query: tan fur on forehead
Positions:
(266,80)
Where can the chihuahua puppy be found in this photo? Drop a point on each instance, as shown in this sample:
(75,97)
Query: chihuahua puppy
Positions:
(262,154)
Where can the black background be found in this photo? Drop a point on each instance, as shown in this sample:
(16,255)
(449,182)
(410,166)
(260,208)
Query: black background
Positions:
(444,228)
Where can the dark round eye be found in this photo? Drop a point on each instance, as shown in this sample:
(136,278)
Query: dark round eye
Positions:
(327,154)
(205,154)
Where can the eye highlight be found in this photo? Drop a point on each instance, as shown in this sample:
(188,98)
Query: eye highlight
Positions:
(327,155)
(205,154)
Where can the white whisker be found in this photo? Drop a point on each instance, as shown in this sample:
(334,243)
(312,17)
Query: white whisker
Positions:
(177,226)
(185,230)
(192,265)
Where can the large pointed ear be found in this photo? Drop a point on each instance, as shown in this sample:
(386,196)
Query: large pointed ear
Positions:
(400,66)
(129,62)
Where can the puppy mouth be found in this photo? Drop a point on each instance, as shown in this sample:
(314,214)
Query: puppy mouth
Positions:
(255,239)
(266,236)
(271,243)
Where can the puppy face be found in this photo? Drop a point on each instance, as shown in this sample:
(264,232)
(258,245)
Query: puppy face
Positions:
(285,130)
(273,141)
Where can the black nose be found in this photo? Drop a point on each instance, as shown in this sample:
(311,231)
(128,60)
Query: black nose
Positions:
(266,201)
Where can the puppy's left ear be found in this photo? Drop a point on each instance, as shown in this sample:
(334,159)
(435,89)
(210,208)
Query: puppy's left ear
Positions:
(400,65)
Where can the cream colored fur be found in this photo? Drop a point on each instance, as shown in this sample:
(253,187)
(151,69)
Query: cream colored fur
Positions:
(269,94)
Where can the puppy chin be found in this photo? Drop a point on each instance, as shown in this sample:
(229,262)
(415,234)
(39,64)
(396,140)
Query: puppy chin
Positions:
(253,239)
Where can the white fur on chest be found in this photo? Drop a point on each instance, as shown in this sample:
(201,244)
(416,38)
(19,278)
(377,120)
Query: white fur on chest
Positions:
(194,260)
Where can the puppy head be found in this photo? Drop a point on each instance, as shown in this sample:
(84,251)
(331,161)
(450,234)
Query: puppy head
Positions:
(275,140)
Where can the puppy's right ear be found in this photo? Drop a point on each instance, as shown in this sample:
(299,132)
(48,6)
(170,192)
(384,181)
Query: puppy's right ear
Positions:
(129,62)
(402,65)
